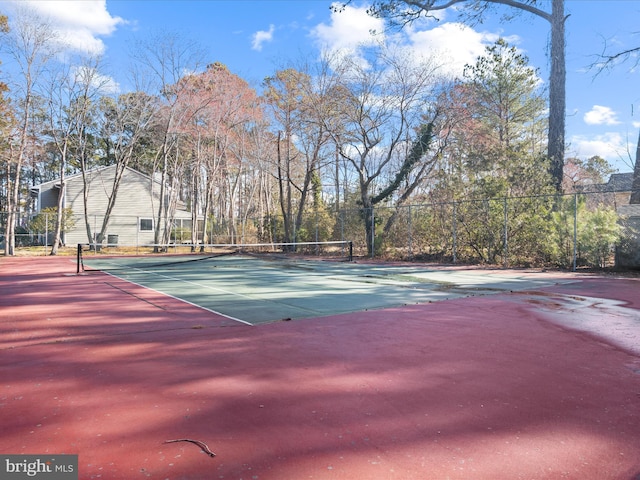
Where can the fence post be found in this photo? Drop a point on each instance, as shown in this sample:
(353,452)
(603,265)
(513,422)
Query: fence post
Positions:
(373,233)
(506,234)
(410,235)
(455,234)
(317,236)
(78,258)
(575,231)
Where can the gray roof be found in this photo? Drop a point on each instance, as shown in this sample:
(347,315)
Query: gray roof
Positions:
(618,182)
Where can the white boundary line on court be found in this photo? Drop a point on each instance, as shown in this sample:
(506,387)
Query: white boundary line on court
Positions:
(469,284)
(206,287)
(182,299)
(249,297)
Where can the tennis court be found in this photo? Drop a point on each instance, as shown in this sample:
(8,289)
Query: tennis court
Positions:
(260,289)
(388,371)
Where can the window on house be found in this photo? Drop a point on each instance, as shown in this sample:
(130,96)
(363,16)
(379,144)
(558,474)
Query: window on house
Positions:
(146,224)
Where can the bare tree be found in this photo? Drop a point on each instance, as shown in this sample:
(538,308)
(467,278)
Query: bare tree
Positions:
(30,45)
(403,12)
(386,139)
(160,63)
(125,126)
(283,96)
(611,60)
(298,105)
(7,120)
(73,92)
(220,107)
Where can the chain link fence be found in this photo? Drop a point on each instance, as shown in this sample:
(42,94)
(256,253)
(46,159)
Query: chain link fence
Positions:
(580,230)
(596,230)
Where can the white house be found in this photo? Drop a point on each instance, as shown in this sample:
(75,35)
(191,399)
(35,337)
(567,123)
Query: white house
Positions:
(132,220)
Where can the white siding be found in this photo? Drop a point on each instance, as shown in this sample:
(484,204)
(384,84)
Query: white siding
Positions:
(134,200)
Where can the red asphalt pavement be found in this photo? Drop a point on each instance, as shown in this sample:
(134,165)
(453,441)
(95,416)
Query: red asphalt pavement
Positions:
(492,387)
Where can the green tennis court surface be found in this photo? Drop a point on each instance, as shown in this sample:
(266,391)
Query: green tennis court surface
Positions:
(253,290)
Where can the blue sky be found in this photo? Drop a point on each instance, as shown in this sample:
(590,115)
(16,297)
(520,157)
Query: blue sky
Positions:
(256,37)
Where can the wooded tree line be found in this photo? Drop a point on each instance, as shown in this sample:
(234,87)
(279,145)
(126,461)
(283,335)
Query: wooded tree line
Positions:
(384,130)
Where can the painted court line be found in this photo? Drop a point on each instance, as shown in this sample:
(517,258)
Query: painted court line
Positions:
(273,291)
(183,300)
(257,298)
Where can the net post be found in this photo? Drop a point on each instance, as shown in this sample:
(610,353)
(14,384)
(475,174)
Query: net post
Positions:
(79,259)
(351,250)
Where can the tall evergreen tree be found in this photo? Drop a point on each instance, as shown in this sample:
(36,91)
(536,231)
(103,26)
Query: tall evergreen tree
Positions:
(504,98)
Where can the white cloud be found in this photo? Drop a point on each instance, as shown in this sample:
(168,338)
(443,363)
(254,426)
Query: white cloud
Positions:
(79,24)
(261,37)
(102,83)
(349,31)
(599,115)
(453,44)
(611,146)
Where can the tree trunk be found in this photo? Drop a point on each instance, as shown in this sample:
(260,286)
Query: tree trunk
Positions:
(285,198)
(10,234)
(557,94)
(369,227)
(85,203)
(57,234)
(119,172)
(195,201)
(13,189)
(158,230)
(205,214)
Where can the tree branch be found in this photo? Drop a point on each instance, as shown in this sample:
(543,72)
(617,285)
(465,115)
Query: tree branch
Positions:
(419,148)
(391,8)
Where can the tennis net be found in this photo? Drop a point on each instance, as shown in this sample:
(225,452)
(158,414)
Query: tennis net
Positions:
(102,257)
